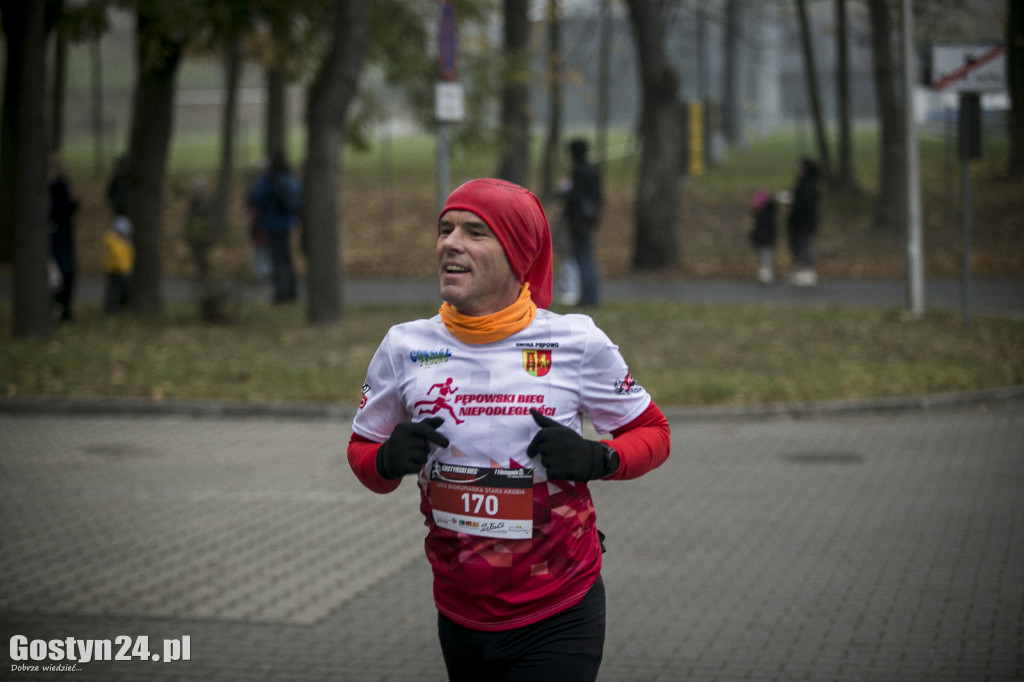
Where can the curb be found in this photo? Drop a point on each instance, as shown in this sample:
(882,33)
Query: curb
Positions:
(36,405)
(934,401)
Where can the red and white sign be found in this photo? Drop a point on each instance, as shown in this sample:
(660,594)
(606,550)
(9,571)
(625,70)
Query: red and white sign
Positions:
(969,68)
(448,43)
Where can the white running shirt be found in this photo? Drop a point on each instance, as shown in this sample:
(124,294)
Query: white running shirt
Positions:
(507,546)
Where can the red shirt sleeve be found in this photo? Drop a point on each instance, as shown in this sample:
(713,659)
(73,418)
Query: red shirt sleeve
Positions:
(362,457)
(643,444)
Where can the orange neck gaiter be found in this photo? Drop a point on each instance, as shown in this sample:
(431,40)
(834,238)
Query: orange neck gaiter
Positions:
(493,327)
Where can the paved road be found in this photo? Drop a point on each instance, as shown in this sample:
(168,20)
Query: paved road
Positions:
(882,542)
(846,546)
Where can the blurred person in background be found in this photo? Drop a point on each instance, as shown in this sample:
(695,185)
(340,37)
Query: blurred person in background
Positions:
(118,263)
(583,199)
(64,204)
(762,234)
(276,200)
(803,223)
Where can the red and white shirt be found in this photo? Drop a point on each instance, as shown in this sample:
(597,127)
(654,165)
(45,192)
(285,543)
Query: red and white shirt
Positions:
(508,547)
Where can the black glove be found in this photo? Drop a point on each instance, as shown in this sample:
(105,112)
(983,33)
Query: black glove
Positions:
(408,448)
(569,456)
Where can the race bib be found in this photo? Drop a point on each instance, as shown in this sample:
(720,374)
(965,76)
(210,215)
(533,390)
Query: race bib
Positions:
(492,503)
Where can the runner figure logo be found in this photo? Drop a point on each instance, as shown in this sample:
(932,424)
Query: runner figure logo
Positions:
(537,362)
(444,391)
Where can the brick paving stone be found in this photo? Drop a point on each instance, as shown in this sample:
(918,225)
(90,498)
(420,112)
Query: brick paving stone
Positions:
(865,546)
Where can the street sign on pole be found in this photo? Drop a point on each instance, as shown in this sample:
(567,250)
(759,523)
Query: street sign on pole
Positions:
(448,43)
(969,68)
(449,104)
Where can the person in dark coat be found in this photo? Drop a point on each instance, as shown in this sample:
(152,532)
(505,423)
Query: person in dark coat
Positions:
(276,201)
(583,199)
(63,206)
(803,223)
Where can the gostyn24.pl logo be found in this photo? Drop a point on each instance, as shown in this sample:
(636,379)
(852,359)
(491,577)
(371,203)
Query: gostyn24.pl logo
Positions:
(66,654)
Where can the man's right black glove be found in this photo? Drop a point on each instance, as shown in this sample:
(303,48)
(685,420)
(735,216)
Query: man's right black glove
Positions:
(408,448)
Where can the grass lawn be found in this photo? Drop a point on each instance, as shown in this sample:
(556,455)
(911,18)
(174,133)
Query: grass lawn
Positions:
(684,354)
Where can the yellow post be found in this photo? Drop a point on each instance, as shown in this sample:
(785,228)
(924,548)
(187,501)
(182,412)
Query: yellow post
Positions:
(697,137)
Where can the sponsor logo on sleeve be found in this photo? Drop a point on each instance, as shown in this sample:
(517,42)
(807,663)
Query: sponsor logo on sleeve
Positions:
(627,386)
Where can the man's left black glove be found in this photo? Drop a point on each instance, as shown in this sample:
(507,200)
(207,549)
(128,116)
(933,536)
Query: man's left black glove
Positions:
(569,456)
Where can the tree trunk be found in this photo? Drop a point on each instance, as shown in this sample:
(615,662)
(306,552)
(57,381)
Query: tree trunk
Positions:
(25,153)
(515,108)
(890,205)
(846,180)
(276,107)
(661,126)
(152,121)
(732,105)
(330,95)
(811,74)
(232,71)
(60,81)
(1015,80)
(700,52)
(551,148)
(96,100)
(604,79)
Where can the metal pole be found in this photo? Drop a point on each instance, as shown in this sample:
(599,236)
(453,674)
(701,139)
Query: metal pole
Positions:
(965,284)
(443,172)
(915,268)
(387,183)
(970,148)
(447,61)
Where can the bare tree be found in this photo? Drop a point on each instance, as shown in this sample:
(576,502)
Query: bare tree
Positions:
(330,95)
(890,204)
(515,111)
(60,78)
(655,243)
(1015,79)
(604,79)
(228,23)
(551,148)
(276,123)
(732,104)
(276,76)
(811,78)
(229,121)
(161,35)
(96,109)
(25,154)
(845,181)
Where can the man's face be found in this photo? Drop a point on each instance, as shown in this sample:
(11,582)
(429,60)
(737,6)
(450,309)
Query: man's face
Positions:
(475,274)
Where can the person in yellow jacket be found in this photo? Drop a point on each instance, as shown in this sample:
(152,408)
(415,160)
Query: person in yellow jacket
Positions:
(118,263)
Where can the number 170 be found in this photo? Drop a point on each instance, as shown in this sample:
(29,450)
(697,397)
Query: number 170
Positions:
(474,502)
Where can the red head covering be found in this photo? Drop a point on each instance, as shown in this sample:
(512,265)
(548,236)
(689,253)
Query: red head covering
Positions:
(516,217)
(760,198)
